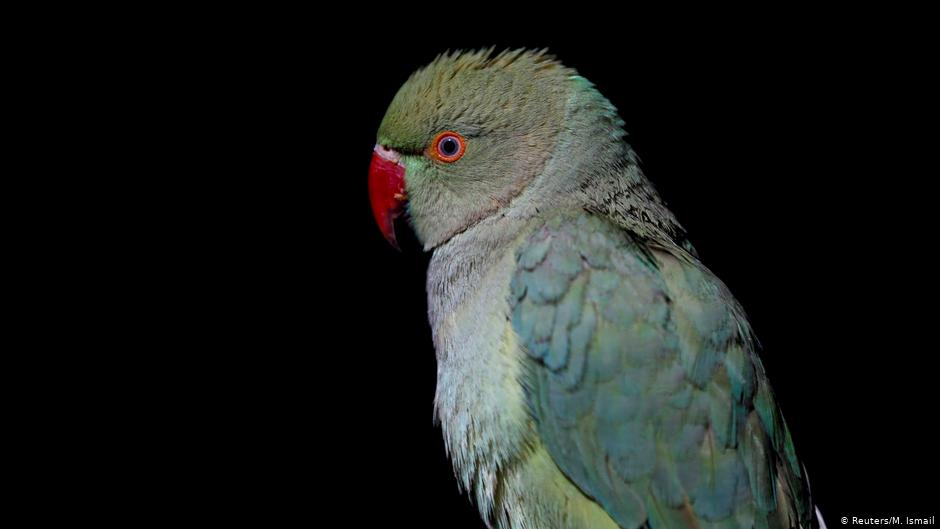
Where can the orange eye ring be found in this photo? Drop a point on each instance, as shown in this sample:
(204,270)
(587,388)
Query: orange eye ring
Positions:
(447,147)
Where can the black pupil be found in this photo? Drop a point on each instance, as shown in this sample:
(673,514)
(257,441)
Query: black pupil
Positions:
(449,146)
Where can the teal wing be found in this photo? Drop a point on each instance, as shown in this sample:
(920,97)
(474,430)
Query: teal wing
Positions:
(644,384)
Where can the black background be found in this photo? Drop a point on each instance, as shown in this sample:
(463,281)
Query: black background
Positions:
(799,158)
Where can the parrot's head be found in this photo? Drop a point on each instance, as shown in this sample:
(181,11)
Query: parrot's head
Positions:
(467,134)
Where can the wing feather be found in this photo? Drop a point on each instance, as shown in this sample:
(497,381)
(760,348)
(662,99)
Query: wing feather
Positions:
(645,385)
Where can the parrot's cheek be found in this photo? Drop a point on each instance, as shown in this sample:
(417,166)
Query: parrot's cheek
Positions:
(387,190)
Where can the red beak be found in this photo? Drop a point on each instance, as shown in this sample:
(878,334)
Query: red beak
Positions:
(387,190)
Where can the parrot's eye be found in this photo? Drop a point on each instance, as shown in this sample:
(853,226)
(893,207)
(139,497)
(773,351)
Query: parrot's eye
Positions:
(448,147)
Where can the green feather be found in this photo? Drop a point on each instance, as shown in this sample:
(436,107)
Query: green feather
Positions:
(645,388)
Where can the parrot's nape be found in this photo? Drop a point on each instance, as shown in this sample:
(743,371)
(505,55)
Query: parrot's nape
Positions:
(592,372)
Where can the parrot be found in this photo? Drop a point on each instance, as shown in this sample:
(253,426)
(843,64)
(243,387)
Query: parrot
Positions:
(592,373)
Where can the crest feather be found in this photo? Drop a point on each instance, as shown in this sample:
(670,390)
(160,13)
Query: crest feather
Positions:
(450,63)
